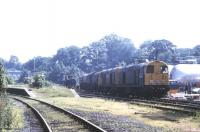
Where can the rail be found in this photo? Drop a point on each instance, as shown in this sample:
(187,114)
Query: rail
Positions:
(39,116)
(188,108)
(77,117)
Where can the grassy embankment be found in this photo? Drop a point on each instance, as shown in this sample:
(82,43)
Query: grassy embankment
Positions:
(11,117)
(165,119)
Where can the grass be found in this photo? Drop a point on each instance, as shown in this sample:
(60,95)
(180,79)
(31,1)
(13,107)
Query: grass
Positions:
(54,91)
(54,118)
(197,116)
(17,118)
(151,116)
(168,120)
(11,117)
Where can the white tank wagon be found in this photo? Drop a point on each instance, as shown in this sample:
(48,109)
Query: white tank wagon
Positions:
(186,73)
(170,67)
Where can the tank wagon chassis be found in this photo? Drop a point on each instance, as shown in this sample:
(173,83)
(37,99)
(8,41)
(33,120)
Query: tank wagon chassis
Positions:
(140,80)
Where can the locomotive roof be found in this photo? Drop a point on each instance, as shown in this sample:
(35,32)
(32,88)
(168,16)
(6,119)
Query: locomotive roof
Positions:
(107,70)
(124,67)
(87,74)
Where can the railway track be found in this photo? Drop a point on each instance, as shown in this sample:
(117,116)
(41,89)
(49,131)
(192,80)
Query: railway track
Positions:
(58,119)
(187,107)
(188,102)
(39,121)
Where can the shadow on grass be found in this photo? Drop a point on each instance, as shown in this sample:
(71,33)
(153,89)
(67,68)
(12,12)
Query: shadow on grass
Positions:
(166,116)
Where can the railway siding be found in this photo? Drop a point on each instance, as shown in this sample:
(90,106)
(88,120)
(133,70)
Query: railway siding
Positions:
(60,119)
(33,119)
(178,106)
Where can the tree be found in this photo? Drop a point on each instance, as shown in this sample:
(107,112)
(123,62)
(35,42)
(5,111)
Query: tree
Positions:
(58,69)
(93,57)
(3,82)
(2,61)
(143,53)
(119,49)
(68,56)
(196,50)
(183,52)
(110,51)
(38,64)
(74,72)
(160,46)
(24,77)
(158,49)
(13,63)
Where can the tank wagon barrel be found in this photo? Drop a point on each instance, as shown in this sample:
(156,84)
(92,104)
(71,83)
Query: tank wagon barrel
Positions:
(185,77)
(141,80)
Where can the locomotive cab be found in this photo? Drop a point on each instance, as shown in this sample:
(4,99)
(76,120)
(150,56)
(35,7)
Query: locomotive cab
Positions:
(156,73)
(156,80)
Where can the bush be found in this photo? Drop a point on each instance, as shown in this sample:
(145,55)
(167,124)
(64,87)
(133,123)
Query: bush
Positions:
(11,116)
(9,80)
(5,113)
(39,82)
(27,80)
(3,81)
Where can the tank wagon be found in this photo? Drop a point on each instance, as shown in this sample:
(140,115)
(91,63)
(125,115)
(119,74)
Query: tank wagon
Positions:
(186,74)
(140,80)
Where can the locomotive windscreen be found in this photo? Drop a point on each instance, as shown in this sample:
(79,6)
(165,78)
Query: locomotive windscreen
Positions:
(163,69)
(150,69)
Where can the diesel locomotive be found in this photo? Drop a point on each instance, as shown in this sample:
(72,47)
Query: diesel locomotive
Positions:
(138,80)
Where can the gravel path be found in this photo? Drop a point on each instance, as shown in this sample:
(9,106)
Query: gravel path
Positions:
(113,123)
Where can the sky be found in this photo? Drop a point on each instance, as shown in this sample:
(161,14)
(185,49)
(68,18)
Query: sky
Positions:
(30,28)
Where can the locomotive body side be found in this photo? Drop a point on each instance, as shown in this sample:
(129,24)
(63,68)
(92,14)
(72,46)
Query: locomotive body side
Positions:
(86,82)
(141,80)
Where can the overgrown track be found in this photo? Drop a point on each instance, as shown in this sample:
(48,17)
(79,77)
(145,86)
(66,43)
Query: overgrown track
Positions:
(187,107)
(43,122)
(188,102)
(60,119)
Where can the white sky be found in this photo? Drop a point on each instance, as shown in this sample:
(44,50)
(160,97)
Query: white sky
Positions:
(31,28)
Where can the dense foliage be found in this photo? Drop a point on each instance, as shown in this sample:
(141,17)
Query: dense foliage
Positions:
(110,51)
(3,81)
(6,115)
(39,81)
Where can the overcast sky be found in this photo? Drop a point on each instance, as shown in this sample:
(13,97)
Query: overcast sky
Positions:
(31,28)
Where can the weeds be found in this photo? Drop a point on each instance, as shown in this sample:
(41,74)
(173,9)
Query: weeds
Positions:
(11,117)
(54,92)
(197,116)
(5,113)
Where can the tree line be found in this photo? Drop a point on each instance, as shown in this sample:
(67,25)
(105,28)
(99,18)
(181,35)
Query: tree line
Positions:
(110,51)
